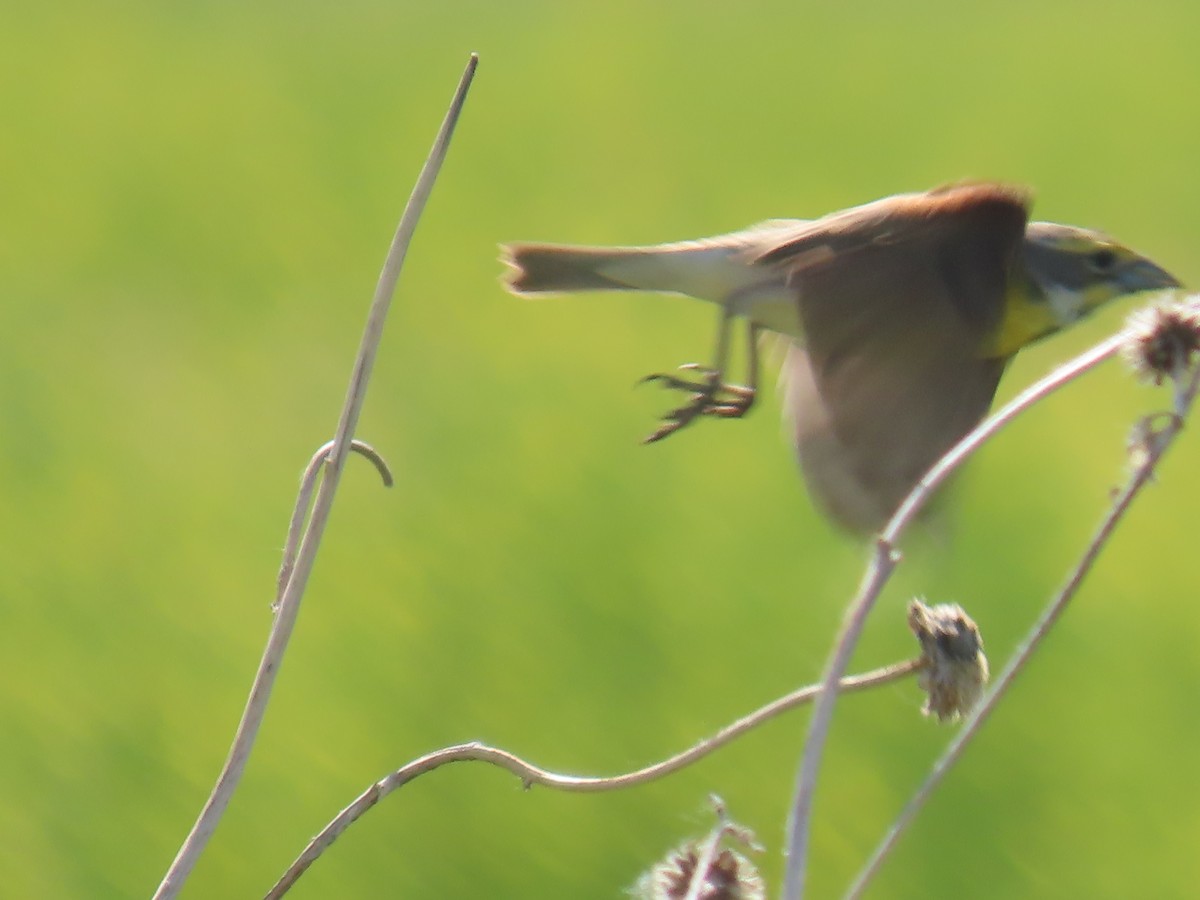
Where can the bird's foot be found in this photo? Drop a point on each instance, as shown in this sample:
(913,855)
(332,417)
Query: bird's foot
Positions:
(710,396)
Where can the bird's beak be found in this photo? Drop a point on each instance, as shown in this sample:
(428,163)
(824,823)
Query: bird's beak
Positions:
(1144,275)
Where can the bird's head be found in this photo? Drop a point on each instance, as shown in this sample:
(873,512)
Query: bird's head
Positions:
(1064,273)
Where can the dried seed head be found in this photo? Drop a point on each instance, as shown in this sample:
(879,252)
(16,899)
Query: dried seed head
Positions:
(730,876)
(955,669)
(1163,339)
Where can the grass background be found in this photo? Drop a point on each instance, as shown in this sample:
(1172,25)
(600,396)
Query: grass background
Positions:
(196,203)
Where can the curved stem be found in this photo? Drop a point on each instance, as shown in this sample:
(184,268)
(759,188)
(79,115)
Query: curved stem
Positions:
(879,571)
(308,482)
(1151,450)
(531,774)
(289,602)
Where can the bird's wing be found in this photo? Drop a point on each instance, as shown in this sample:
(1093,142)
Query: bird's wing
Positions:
(864,442)
(955,243)
(897,300)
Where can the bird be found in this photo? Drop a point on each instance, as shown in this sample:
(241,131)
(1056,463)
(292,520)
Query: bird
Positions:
(899,317)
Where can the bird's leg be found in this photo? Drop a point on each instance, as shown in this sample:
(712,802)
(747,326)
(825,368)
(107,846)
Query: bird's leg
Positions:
(710,395)
(741,396)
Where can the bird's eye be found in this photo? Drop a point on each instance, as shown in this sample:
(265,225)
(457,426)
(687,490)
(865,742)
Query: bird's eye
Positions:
(1103,260)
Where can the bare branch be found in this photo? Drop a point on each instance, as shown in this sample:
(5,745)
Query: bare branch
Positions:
(308,481)
(708,853)
(531,774)
(289,602)
(879,570)
(1150,450)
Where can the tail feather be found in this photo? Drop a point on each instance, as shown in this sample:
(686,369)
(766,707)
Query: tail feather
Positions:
(712,268)
(555,268)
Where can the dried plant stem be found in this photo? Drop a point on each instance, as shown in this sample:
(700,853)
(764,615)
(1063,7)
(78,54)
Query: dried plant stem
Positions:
(1151,451)
(308,483)
(708,853)
(879,570)
(289,600)
(531,774)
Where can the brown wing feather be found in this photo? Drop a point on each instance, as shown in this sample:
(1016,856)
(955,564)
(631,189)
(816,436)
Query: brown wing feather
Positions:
(896,299)
(864,440)
(963,238)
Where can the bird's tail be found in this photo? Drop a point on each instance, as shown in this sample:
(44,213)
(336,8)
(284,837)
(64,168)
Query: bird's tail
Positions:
(708,269)
(559,268)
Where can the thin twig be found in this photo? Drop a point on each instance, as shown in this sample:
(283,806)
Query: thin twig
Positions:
(1154,444)
(308,481)
(531,774)
(708,853)
(879,569)
(289,602)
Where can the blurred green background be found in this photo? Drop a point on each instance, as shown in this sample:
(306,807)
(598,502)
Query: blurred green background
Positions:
(196,203)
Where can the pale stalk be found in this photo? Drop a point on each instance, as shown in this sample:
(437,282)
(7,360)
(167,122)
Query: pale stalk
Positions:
(879,570)
(289,599)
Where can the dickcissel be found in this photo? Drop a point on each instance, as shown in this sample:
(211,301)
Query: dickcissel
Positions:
(901,316)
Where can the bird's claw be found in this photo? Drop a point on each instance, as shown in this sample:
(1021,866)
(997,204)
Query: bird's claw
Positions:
(709,397)
(675,383)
